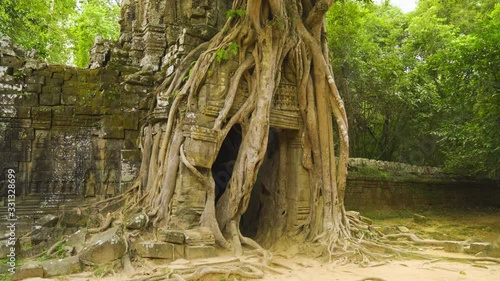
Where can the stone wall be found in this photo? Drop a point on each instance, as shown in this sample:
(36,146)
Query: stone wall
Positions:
(69,132)
(383,187)
(72,133)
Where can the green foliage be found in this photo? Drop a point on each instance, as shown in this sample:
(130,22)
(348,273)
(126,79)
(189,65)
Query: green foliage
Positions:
(59,30)
(368,64)
(235,13)
(421,87)
(455,69)
(38,25)
(223,54)
(96,18)
(232,48)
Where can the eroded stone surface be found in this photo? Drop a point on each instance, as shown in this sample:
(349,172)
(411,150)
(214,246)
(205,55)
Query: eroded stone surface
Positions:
(48,220)
(136,221)
(453,247)
(77,240)
(69,265)
(159,250)
(104,247)
(199,252)
(29,270)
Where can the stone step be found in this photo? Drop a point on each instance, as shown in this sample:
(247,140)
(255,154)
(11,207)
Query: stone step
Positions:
(28,212)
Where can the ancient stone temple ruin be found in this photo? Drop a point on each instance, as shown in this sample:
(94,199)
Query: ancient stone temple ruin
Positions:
(73,134)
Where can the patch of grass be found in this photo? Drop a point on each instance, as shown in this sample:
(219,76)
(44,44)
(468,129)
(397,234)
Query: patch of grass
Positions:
(388,215)
(481,225)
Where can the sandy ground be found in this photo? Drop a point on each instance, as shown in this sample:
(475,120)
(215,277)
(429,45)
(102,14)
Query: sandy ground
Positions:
(411,270)
(304,269)
(477,225)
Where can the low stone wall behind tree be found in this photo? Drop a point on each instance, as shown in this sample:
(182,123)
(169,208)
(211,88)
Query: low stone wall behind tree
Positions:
(383,187)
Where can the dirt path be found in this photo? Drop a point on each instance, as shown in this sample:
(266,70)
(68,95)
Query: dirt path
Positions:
(411,270)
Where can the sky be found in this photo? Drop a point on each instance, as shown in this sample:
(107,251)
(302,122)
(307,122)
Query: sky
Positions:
(405,5)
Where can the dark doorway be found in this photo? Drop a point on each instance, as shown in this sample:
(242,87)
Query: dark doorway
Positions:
(266,178)
(222,169)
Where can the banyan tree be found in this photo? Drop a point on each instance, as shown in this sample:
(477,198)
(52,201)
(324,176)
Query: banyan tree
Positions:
(247,135)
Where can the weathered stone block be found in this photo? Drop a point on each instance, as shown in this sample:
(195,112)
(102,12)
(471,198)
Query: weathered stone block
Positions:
(48,220)
(453,247)
(172,236)
(48,234)
(131,137)
(82,77)
(22,134)
(130,122)
(64,266)
(50,99)
(19,123)
(112,133)
(199,152)
(36,88)
(56,81)
(42,113)
(41,154)
(199,236)
(23,112)
(478,247)
(112,121)
(104,247)
(12,61)
(58,75)
(131,160)
(85,109)
(159,250)
(77,240)
(32,79)
(198,252)
(135,221)
(21,146)
(55,90)
(30,270)
(70,74)
(72,218)
(63,112)
(34,250)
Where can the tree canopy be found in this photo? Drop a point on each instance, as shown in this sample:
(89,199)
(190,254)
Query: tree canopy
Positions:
(61,31)
(421,87)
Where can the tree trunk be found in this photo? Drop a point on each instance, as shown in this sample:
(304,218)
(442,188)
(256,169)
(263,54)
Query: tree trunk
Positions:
(262,44)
